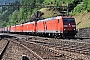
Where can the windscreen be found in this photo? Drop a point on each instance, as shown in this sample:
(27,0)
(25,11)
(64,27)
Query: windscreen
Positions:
(68,20)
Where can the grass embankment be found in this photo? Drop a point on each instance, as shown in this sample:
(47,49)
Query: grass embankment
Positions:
(83,20)
(49,12)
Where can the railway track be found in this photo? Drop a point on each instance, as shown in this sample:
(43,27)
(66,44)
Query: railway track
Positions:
(16,51)
(67,45)
(74,47)
(3,47)
(37,56)
(59,49)
(69,53)
(42,52)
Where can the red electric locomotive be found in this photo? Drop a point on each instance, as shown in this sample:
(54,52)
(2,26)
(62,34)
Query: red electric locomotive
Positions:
(18,28)
(29,27)
(57,26)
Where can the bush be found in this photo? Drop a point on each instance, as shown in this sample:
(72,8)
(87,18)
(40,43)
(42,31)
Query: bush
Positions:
(79,8)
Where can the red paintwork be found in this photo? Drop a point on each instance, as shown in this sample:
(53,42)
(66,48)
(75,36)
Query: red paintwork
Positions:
(51,25)
(12,29)
(29,27)
(18,28)
(60,25)
(40,26)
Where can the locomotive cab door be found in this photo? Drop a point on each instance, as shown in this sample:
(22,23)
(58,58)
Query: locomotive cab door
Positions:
(45,26)
(60,25)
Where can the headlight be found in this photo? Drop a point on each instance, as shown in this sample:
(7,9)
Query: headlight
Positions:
(64,29)
(74,29)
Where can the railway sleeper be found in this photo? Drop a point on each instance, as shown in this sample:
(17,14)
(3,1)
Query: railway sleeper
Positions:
(66,48)
(58,47)
(54,52)
(78,59)
(72,49)
(78,50)
(60,55)
(85,52)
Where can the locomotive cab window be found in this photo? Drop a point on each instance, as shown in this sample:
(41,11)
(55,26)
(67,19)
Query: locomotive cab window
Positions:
(69,20)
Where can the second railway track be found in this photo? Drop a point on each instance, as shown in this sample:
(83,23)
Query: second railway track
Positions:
(59,48)
(41,52)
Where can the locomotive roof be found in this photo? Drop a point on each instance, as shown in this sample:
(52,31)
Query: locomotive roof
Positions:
(19,25)
(13,26)
(29,23)
(53,18)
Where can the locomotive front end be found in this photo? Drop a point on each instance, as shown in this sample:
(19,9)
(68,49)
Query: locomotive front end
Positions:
(69,26)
